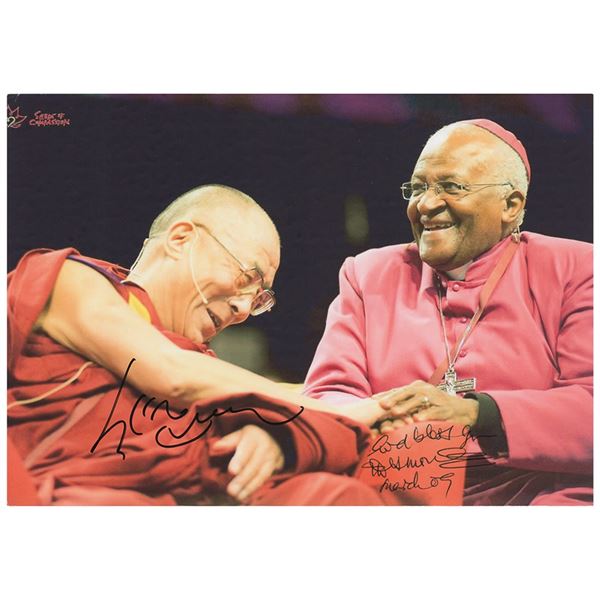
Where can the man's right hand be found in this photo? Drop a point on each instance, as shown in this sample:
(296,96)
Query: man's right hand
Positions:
(388,422)
(256,457)
(370,411)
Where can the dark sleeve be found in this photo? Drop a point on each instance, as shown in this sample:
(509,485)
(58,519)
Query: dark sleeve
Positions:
(488,429)
(286,442)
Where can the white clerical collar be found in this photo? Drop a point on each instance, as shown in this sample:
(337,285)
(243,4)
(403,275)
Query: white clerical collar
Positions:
(459,273)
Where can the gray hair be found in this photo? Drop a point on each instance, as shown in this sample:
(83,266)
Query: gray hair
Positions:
(205,198)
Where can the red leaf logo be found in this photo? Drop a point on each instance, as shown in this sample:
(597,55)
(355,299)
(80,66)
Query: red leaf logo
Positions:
(14,118)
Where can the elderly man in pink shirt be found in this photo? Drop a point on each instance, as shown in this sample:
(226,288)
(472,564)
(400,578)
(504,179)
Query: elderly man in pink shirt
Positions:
(474,323)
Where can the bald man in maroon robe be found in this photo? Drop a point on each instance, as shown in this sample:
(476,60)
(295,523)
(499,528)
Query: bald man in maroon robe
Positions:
(502,321)
(115,398)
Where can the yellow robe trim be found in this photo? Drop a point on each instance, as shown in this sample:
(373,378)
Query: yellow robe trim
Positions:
(139,308)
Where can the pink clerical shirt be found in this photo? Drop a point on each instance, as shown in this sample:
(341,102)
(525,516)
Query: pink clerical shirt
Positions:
(531,351)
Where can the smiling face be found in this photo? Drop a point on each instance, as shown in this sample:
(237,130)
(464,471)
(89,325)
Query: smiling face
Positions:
(450,231)
(188,265)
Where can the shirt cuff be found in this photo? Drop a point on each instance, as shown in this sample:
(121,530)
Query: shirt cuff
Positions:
(488,428)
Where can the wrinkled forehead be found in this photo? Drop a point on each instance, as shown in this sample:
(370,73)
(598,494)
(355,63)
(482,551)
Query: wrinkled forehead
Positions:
(463,151)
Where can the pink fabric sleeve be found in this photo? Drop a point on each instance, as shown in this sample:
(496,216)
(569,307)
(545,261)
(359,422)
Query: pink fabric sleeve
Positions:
(551,430)
(338,374)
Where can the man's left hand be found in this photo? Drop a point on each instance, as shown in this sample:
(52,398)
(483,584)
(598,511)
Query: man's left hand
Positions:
(421,401)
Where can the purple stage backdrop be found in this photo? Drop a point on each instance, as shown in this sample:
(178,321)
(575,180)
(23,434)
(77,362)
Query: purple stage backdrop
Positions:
(92,172)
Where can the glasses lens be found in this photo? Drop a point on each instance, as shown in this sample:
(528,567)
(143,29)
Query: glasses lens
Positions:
(450,187)
(407,191)
(413,190)
(263,302)
(248,281)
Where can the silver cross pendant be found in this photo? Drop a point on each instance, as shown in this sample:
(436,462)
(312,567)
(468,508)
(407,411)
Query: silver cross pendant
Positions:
(451,385)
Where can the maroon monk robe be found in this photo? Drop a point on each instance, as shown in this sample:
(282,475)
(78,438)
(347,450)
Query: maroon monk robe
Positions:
(55,435)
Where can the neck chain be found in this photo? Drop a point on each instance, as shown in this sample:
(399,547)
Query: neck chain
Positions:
(451,384)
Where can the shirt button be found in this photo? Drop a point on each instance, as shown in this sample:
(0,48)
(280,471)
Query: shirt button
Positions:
(463,319)
(462,353)
(456,287)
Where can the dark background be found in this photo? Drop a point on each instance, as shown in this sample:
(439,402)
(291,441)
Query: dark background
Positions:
(98,183)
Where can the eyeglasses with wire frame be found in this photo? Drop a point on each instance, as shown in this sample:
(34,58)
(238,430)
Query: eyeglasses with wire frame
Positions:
(249,281)
(410,190)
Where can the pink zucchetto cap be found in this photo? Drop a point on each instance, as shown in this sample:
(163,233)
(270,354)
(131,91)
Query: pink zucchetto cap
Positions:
(506,136)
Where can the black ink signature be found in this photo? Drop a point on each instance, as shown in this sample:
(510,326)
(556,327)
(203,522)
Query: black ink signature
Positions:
(383,445)
(205,421)
(396,486)
(451,457)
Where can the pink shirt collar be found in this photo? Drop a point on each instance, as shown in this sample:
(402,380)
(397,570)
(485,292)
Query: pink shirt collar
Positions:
(478,272)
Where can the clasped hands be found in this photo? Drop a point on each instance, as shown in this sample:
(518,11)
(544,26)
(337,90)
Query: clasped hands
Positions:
(416,402)
(257,456)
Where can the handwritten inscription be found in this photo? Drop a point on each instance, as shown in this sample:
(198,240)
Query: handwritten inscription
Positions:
(165,436)
(385,458)
(406,485)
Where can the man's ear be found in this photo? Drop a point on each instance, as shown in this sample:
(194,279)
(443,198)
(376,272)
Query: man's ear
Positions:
(178,236)
(514,205)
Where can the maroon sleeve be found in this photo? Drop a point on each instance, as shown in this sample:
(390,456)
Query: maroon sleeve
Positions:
(29,287)
(318,441)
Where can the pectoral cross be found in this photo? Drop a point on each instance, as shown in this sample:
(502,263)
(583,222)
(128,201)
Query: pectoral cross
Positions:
(451,385)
